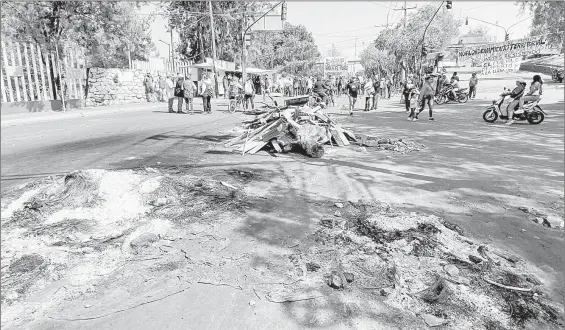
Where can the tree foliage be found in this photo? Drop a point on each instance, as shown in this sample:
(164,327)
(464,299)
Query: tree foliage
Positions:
(548,17)
(192,21)
(377,61)
(292,50)
(405,43)
(479,31)
(106,30)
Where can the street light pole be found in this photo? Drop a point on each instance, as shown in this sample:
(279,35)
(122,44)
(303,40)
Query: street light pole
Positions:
(213,48)
(424,36)
(243,46)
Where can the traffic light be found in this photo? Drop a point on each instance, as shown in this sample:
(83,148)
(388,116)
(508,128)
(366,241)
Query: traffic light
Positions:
(506,37)
(283,12)
(448,4)
(467,21)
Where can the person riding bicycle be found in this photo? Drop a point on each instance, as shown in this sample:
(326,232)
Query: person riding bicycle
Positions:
(235,88)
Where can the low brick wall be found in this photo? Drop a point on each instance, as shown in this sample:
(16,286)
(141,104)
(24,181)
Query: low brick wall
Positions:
(115,86)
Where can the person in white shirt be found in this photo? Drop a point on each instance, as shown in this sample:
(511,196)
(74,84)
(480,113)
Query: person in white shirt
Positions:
(170,92)
(454,87)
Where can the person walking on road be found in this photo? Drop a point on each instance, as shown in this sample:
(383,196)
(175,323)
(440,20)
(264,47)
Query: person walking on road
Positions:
(162,87)
(408,86)
(426,97)
(148,83)
(249,90)
(170,92)
(473,82)
(388,87)
(352,92)
(225,83)
(207,91)
(376,93)
(369,92)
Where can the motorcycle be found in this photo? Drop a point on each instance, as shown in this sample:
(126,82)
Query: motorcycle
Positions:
(557,75)
(533,113)
(462,96)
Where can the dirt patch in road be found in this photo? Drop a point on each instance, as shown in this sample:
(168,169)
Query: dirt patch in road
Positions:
(93,244)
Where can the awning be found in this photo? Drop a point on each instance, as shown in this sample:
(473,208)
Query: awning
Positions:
(208,66)
(255,71)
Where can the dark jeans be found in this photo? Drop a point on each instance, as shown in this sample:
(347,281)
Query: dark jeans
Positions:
(249,98)
(407,102)
(472,91)
(207,101)
(375,101)
(430,101)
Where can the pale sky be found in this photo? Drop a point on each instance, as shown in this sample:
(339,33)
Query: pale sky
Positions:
(340,22)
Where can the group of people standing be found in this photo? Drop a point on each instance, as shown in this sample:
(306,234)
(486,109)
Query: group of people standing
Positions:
(179,87)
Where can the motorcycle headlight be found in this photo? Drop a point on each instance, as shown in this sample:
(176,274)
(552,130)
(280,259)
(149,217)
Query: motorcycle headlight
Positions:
(494,102)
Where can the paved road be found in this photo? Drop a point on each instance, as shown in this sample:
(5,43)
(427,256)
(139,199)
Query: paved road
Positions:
(473,174)
(143,136)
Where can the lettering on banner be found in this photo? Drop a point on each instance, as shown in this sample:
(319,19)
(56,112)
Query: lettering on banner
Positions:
(335,66)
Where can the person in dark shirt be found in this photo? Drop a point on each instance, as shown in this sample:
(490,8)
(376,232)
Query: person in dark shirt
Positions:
(320,88)
(352,90)
(408,86)
(516,94)
(377,87)
(427,93)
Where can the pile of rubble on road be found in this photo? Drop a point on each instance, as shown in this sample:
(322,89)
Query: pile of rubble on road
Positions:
(425,266)
(382,143)
(283,129)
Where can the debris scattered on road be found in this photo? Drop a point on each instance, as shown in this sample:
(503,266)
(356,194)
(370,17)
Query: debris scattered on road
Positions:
(451,270)
(282,298)
(282,130)
(339,205)
(432,320)
(399,145)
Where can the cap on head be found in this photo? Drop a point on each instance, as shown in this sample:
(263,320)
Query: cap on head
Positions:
(521,81)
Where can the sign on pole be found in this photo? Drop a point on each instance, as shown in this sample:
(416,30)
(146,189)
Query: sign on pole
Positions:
(271,22)
(335,66)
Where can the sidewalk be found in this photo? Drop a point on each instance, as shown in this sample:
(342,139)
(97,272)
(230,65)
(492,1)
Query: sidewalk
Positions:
(38,117)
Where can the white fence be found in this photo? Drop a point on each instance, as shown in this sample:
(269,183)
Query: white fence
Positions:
(155,65)
(28,73)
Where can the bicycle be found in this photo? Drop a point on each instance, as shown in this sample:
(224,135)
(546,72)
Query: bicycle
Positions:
(236,103)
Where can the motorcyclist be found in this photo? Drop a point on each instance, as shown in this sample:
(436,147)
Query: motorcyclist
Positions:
(320,88)
(454,86)
(516,94)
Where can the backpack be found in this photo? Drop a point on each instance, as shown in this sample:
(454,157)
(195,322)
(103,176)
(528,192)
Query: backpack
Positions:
(353,87)
(248,88)
(178,88)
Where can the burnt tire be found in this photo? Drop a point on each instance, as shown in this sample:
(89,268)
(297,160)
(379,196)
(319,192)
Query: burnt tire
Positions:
(490,116)
(536,117)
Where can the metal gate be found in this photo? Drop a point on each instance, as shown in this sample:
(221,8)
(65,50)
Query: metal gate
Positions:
(29,73)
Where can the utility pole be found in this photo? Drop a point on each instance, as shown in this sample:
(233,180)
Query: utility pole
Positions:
(172,50)
(403,66)
(406,9)
(213,47)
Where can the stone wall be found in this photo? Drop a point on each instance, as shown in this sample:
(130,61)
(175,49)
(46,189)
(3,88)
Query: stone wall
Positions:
(115,86)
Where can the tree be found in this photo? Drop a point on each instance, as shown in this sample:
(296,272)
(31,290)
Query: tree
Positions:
(479,31)
(334,52)
(192,20)
(548,17)
(377,61)
(292,50)
(405,43)
(104,29)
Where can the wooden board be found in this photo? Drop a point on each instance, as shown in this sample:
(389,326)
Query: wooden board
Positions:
(337,137)
(349,134)
(276,145)
(342,136)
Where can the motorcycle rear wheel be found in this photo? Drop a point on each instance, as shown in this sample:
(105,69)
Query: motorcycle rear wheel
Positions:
(535,117)
(490,116)
(463,98)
